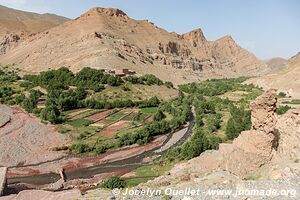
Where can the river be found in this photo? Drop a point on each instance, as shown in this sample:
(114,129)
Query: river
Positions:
(128,163)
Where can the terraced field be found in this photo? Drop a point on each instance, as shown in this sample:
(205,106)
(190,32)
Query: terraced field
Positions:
(92,127)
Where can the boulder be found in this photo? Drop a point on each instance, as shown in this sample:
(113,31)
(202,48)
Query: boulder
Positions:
(3,171)
(45,195)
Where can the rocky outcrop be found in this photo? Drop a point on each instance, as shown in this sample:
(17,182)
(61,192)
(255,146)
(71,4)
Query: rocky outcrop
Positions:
(253,148)
(195,38)
(263,112)
(9,41)
(112,12)
(3,171)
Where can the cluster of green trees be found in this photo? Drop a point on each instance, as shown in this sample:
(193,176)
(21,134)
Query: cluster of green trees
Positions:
(95,104)
(8,75)
(30,103)
(6,94)
(63,78)
(216,87)
(198,143)
(159,115)
(208,119)
(147,79)
(213,122)
(239,121)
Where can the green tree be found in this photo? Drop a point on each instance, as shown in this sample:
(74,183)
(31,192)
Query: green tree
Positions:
(159,115)
(231,131)
(52,114)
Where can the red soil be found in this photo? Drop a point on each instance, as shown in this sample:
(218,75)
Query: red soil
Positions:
(100,116)
(73,163)
(111,130)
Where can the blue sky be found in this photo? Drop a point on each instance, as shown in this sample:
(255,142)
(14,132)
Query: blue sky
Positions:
(268,28)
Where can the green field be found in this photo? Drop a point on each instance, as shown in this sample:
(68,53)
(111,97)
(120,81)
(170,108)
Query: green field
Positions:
(294,101)
(146,173)
(149,110)
(77,123)
(116,116)
(136,92)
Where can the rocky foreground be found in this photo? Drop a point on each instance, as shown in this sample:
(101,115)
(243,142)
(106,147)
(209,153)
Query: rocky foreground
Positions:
(24,140)
(264,160)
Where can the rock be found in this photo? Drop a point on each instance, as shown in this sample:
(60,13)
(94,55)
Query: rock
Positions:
(107,11)
(263,112)
(58,185)
(3,171)
(8,42)
(196,38)
(253,148)
(4,119)
(45,195)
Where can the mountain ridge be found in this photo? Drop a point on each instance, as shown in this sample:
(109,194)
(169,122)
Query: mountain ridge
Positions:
(17,21)
(109,38)
(285,80)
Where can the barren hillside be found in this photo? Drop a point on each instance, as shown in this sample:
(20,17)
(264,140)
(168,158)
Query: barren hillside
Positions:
(17,21)
(108,38)
(286,80)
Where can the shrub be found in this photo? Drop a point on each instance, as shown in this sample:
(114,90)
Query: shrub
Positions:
(281,95)
(100,149)
(114,182)
(282,109)
(80,148)
(169,84)
(159,116)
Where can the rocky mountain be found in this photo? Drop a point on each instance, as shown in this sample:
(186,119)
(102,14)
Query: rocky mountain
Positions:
(16,21)
(108,38)
(286,80)
(276,64)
